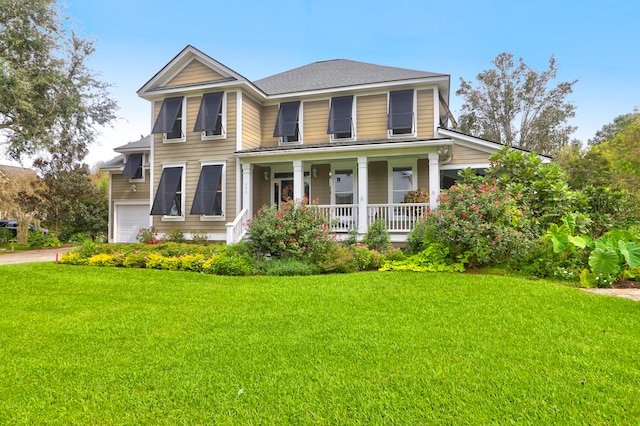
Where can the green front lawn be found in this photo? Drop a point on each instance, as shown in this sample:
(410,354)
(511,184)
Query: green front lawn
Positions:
(92,345)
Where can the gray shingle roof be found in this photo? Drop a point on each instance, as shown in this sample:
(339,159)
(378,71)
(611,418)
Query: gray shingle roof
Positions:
(143,144)
(334,74)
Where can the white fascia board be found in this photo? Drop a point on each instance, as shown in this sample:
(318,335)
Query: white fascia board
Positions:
(383,85)
(180,61)
(194,90)
(336,151)
(465,165)
(481,144)
(471,141)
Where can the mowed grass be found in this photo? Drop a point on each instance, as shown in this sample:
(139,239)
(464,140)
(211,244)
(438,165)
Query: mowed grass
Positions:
(82,345)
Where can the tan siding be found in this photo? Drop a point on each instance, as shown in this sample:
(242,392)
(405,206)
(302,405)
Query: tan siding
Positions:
(371,117)
(261,188)
(269,116)
(316,116)
(232,108)
(191,152)
(121,188)
(464,155)
(195,72)
(425,113)
(251,122)
(320,189)
(378,182)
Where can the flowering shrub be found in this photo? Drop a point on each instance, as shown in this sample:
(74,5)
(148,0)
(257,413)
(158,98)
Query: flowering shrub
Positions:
(296,230)
(476,221)
(337,259)
(73,258)
(418,196)
(192,262)
(102,259)
(147,235)
(366,258)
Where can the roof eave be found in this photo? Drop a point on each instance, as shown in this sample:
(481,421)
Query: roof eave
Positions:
(441,81)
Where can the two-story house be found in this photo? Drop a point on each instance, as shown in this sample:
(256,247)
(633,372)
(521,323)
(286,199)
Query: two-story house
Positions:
(354,137)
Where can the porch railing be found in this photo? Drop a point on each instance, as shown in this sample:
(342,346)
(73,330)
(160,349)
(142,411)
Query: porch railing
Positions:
(342,217)
(398,217)
(237,228)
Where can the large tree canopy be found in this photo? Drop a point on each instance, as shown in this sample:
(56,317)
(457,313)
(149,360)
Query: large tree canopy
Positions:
(516,106)
(47,92)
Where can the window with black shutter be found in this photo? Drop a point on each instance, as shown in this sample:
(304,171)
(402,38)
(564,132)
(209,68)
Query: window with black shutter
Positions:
(208,198)
(340,117)
(169,119)
(133,167)
(400,112)
(168,200)
(209,120)
(287,123)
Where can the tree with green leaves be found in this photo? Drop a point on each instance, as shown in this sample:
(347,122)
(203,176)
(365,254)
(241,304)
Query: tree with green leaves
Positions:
(49,99)
(517,106)
(71,201)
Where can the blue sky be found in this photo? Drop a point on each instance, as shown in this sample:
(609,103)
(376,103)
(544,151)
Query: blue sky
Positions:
(591,42)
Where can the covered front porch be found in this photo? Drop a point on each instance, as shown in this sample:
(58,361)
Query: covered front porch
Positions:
(352,188)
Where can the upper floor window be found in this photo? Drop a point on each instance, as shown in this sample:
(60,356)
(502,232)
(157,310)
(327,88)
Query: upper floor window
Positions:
(169,200)
(401,113)
(288,122)
(133,168)
(209,200)
(170,120)
(341,118)
(211,116)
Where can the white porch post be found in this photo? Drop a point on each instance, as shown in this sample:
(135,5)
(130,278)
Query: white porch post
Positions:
(247,187)
(434,179)
(298,180)
(363,195)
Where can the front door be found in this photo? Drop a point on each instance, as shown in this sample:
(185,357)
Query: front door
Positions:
(282,191)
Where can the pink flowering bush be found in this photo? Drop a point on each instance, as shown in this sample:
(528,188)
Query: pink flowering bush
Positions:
(294,229)
(478,222)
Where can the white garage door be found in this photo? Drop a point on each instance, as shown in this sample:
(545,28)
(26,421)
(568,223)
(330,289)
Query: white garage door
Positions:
(129,220)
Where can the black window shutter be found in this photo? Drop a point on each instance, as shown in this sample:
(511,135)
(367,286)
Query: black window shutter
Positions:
(401,110)
(133,165)
(167,116)
(209,112)
(340,115)
(167,189)
(286,123)
(205,199)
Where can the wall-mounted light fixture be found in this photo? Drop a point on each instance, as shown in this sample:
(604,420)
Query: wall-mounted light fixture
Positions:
(266,175)
(314,171)
(134,188)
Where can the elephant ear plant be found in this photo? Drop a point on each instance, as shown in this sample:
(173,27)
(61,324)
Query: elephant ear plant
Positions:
(613,256)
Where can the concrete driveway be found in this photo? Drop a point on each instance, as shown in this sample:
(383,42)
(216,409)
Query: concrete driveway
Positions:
(30,256)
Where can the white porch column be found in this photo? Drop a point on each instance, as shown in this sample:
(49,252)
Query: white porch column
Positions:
(247,187)
(434,179)
(363,194)
(298,180)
